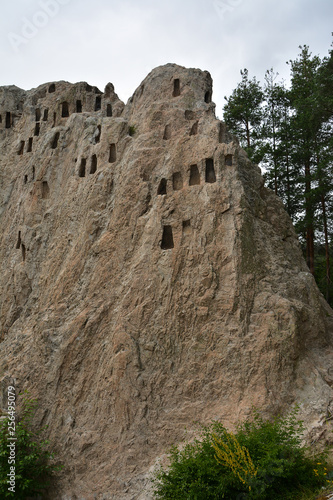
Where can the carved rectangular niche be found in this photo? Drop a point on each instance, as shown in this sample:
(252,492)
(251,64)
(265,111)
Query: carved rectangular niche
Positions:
(8,119)
(21,148)
(194,176)
(167,132)
(64,110)
(98,103)
(112,153)
(167,238)
(210,171)
(228,160)
(162,188)
(177,181)
(55,140)
(37,129)
(82,169)
(93,164)
(176,87)
(45,190)
(29,149)
(194,129)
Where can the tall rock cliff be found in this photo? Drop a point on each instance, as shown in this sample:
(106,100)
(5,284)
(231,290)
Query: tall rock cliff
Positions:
(148,278)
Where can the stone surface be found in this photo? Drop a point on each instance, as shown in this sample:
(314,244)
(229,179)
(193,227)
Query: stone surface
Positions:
(140,293)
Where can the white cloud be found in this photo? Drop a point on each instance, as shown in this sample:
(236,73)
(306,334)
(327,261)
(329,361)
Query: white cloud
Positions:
(121,42)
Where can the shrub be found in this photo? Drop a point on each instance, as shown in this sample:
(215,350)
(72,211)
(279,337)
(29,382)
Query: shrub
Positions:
(264,459)
(33,466)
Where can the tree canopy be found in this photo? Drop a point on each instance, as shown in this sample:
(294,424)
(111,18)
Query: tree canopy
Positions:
(288,132)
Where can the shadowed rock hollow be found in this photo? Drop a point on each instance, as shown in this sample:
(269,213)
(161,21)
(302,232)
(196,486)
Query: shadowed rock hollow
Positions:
(148,278)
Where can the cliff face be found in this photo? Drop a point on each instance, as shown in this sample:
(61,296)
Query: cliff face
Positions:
(148,278)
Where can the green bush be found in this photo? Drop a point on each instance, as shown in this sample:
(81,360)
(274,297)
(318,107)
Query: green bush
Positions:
(264,459)
(33,466)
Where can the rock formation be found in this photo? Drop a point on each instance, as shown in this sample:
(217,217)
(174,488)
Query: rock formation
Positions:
(148,278)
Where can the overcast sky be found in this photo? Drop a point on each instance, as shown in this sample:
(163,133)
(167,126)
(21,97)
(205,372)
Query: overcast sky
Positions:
(122,41)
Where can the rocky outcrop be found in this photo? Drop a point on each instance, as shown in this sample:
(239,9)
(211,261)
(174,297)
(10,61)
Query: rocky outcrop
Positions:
(148,278)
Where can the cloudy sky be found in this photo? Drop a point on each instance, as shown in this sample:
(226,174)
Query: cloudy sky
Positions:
(121,41)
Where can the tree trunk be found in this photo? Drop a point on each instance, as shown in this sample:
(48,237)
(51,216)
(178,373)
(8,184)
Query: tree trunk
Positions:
(327,249)
(309,219)
(248,134)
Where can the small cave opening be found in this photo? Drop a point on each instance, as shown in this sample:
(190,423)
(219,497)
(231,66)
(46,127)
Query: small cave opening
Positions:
(162,188)
(112,153)
(194,129)
(37,114)
(79,106)
(54,119)
(167,132)
(131,130)
(208,96)
(186,227)
(93,164)
(108,110)
(167,238)
(18,244)
(45,115)
(21,148)
(194,176)
(52,88)
(37,129)
(64,110)
(55,140)
(82,168)
(189,114)
(8,119)
(25,179)
(33,173)
(23,251)
(45,190)
(98,103)
(29,149)
(176,87)
(210,171)
(0,119)
(177,181)
(228,160)
(97,134)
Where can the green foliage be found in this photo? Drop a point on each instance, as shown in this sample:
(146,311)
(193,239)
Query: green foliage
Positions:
(289,132)
(33,462)
(243,115)
(264,459)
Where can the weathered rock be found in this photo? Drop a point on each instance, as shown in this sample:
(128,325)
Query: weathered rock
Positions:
(148,278)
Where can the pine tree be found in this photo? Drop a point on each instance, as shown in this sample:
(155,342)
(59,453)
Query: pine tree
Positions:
(243,115)
(305,125)
(289,132)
